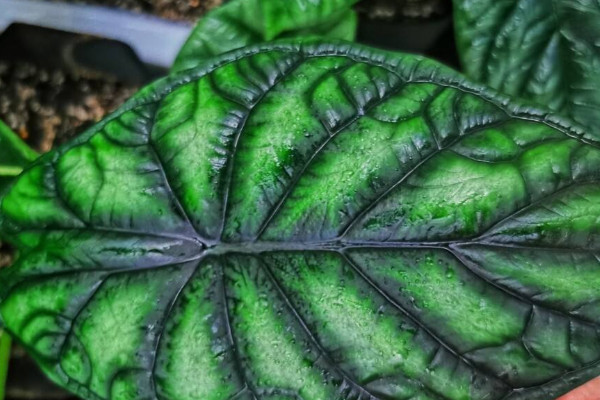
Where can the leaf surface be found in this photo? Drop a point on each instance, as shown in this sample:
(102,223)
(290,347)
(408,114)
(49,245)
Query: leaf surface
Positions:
(311,222)
(14,155)
(544,51)
(241,23)
(5,342)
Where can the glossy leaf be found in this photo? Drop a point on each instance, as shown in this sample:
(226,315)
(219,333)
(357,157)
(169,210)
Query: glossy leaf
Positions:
(311,222)
(545,51)
(240,23)
(14,155)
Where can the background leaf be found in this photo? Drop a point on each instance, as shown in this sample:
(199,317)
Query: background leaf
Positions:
(544,51)
(318,221)
(14,155)
(240,23)
(4,357)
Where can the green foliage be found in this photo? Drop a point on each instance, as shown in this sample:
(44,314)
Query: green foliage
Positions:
(14,155)
(4,357)
(545,51)
(311,222)
(240,23)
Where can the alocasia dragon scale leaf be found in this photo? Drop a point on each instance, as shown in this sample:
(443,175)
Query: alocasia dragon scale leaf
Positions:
(311,222)
(546,51)
(240,23)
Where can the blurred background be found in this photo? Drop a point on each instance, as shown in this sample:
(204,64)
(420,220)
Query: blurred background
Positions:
(54,83)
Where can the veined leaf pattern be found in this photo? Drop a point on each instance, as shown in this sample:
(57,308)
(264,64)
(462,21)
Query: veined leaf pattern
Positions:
(545,51)
(316,221)
(241,23)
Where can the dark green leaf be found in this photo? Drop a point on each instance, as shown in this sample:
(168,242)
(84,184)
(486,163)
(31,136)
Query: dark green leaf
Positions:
(240,23)
(546,51)
(311,222)
(14,155)
(4,358)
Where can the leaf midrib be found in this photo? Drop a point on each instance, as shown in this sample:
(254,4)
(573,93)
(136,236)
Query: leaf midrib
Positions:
(340,245)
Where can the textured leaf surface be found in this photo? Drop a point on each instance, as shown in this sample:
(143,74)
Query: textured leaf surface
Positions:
(311,222)
(14,155)
(241,23)
(542,50)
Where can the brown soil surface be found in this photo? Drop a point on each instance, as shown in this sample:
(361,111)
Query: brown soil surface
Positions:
(181,10)
(47,107)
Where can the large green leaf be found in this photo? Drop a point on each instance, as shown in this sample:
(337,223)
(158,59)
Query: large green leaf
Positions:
(546,51)
(311,222)
(240,23)
(14,155)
